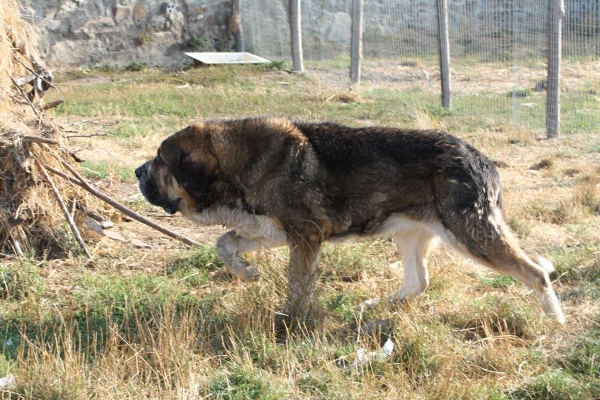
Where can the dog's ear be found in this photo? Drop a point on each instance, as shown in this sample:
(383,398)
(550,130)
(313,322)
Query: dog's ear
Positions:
(191,159)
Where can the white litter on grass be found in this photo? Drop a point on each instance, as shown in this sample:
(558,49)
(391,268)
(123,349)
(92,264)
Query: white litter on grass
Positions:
(8,382)
(363,356)
(9,342)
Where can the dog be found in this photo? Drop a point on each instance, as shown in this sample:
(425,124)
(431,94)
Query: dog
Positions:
(277,182)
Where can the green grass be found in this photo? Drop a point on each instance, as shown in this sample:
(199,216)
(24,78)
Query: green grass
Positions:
(193,268)
(104,170)
(497,282)
(584,358)
(554,385)
(223,92)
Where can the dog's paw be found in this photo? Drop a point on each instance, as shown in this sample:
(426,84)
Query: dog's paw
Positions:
(245,271)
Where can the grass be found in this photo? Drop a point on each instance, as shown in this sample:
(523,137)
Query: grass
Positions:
(167,322)
(105,170)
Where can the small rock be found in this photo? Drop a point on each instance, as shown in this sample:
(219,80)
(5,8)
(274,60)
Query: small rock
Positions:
(140,11)
(114,235)
(120,13)
(93,225)
(107,224)
(139,244)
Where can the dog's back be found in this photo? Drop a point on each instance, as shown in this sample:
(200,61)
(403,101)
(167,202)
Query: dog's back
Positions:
(407,171)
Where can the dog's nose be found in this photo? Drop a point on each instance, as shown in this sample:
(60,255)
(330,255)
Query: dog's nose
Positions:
(138,172)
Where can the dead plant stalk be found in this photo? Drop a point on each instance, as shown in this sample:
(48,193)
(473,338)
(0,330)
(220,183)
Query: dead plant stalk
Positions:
(80,181)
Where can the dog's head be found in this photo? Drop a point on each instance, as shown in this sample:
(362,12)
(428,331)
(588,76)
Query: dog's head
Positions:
(179,177)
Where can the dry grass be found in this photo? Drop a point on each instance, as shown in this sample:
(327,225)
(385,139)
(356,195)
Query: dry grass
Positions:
(166,322)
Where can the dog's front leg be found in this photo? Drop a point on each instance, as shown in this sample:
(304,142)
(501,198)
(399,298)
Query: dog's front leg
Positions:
(302,277)
(230,248)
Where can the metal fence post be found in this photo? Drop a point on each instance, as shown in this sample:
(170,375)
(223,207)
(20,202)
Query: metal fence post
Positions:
(442,12)
(556,12)
(296,27)
(235,25)
(356,52)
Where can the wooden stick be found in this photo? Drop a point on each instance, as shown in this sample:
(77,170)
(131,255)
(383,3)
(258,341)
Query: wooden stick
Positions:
(80,181)
(17,100)
(63,175)
(65,210)
(76,157)
(52,104)
(39,139)
(87,136)
(26,98)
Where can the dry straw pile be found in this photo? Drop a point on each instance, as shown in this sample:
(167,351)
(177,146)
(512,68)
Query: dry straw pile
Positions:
(31,217)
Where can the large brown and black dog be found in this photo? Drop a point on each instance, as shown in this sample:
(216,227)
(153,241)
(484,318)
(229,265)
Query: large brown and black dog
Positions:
(277,182)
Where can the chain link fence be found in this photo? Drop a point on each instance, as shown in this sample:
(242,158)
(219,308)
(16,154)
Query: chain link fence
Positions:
(498,52)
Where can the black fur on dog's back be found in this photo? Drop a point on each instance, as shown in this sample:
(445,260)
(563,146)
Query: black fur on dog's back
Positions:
(425,164)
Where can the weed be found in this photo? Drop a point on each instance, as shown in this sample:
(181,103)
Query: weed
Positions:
(546,163)
(520,93)
(584,359)
(20,280)
(342,305)
(316,384)
(136,66)
(415,356)
(125,297)
(576,263)
(5,366)
(552,385)
(142,39)
(240,384)
(278,65)
(196,42)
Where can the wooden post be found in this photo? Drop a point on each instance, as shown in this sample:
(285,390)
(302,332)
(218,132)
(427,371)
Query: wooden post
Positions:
(556,12)
(442,8)
(235,25)
(296,26)
(356,49)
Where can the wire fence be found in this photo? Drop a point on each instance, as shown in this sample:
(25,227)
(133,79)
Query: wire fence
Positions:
(498,50)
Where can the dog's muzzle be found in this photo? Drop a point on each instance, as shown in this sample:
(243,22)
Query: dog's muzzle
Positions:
(150,191)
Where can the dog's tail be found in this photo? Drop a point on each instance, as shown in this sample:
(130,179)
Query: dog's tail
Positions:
(469,207)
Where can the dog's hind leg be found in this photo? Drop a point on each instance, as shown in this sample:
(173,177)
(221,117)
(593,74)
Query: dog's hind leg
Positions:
(231,247)
(413,249)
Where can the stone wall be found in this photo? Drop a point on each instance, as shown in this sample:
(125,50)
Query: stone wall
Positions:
(98,33)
